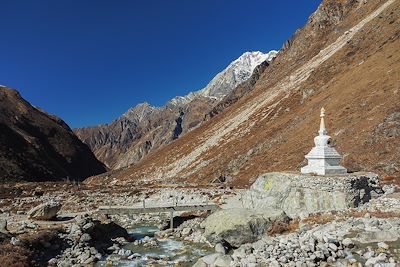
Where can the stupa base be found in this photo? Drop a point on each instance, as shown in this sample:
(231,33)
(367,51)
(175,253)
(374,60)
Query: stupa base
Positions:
(326,170)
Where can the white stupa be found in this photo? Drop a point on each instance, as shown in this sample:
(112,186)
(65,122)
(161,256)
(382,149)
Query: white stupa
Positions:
(323,159)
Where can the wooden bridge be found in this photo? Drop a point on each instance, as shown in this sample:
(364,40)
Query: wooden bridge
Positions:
(130,210)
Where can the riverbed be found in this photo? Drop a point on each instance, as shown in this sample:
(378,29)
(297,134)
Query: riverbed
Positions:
(168,252)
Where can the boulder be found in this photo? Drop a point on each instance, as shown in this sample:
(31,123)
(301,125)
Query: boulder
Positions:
(219,248)
(103,234)
(3,226)
(223,261)
(239,226)
(200,263)
(383,245)
(377,236)
(45,211)
(347,242)
(186,231)
(207,260)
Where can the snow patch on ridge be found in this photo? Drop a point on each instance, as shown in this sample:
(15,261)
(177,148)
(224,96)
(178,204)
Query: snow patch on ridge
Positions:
(224,82)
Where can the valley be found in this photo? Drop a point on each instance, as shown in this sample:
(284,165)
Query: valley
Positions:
(218,177)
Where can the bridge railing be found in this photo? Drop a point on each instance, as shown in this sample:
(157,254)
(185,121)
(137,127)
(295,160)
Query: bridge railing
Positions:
(173,203)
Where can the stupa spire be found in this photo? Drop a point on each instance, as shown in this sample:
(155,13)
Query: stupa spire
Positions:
(322,129)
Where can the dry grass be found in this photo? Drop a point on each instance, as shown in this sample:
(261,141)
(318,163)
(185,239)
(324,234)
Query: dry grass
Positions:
(321,219)
(395,180)
(34,240)
(327,218)
(283,228)
(377,214)
(14,256)
(32,251)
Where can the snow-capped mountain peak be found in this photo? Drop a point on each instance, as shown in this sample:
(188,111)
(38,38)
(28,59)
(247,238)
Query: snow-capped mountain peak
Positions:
(233,75)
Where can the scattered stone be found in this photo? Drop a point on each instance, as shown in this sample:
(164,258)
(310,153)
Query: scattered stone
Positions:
(347,242)
(333,247)
(186,231)
(85,238)
(52,262)
(378,259)
(15,241)
(383,245)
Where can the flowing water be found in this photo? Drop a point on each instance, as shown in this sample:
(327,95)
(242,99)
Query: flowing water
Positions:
(169,252)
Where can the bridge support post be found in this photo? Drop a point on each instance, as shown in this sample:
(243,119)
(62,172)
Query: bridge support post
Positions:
(171,220)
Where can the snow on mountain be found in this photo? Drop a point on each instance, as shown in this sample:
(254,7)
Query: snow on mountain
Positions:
(221,85)
(139,112)
(225,81)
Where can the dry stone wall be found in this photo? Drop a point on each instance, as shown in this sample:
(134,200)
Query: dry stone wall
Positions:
(299,194)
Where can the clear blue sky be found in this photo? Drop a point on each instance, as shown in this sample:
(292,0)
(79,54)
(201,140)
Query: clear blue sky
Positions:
(88,61)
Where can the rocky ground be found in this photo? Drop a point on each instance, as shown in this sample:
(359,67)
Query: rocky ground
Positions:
(83,236)
(363,235)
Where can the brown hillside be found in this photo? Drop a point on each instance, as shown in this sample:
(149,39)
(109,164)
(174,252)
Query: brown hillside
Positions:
(346,59)
(35,146)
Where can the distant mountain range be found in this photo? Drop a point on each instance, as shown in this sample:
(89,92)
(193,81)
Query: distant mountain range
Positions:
(36,146)
(144,128)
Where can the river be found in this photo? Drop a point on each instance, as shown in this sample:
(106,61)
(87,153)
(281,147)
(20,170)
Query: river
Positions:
(169,252)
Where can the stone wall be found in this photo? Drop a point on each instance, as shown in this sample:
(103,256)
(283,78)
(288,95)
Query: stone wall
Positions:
(299,194)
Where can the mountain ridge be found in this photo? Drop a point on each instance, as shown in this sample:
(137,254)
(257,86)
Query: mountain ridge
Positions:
(36,146)
(144,128)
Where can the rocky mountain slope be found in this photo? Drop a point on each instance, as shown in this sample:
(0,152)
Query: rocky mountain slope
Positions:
(35,146)
(144,128)
(346,59)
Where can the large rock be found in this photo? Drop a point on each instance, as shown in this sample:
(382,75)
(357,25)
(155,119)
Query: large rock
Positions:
(239,226)
(45,211)
(377,236)
(301,194)
(215,260)
(223,261)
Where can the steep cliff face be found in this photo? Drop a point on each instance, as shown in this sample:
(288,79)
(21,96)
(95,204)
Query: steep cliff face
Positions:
(144,128)
(241,90)
(346,59)
(35,146)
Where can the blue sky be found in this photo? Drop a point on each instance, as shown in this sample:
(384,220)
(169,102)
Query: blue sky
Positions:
(89,61)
